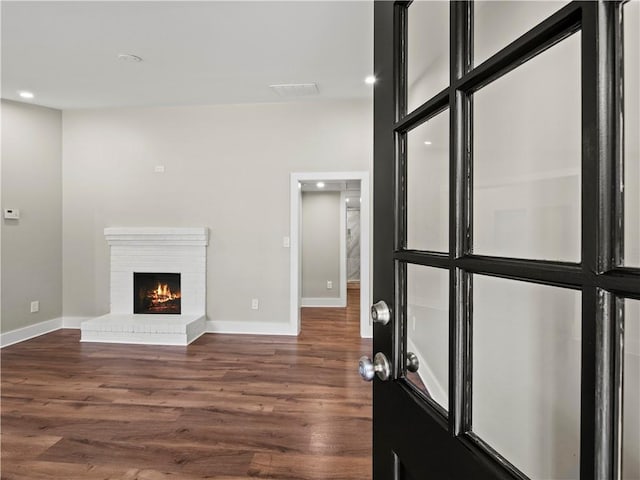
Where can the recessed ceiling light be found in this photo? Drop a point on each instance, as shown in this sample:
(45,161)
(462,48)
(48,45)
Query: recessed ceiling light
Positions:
(370,80)
(320,184)
(25,94)
(347,200)
(427,142)
(128,57)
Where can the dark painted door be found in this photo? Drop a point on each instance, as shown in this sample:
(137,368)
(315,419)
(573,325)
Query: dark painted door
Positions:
(500,222)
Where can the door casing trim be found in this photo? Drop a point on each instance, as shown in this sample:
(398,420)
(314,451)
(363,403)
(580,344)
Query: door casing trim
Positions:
(366,330)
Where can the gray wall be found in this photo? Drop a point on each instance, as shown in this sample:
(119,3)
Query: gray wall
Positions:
(32,245)
(320,247)
(227,168)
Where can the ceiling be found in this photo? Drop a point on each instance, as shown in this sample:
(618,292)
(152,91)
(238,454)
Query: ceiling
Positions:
(330,185)
(194,53)
(351,189)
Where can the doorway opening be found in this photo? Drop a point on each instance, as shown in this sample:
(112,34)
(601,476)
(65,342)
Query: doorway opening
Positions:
(330,235)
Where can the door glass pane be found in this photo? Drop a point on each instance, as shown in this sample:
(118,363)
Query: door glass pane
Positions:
(631,396)
(631,15)
(428,330)
(527,158)
(427,185)
(526,374)
(427,51)
(497,24)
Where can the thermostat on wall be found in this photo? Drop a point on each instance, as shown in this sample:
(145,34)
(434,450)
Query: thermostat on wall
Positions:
(11,213)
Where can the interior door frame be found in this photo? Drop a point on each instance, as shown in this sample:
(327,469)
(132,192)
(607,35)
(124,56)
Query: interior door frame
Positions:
(600,276)
(366,330)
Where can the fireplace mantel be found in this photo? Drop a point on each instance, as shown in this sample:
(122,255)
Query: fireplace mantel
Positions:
(157,236)
(153,250)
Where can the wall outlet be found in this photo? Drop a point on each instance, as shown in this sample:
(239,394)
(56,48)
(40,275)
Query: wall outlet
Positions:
(254,304)
(35,306)
(158,169)
(329,284)
(286,242)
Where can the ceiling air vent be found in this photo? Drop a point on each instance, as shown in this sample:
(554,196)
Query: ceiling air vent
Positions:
(295,89)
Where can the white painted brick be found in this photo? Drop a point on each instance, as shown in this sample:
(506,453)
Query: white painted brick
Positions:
(154,250)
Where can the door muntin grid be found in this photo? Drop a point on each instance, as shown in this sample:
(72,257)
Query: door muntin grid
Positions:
(595,275)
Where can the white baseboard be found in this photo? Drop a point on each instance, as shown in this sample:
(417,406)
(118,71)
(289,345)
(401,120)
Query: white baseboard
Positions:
(211,326)
(25,333)
(249,328)
(336,302)
(366,332)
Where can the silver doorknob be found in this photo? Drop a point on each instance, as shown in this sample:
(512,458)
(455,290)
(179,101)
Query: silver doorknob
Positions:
(412,362)
(366,368)
(380,366)
(380,312)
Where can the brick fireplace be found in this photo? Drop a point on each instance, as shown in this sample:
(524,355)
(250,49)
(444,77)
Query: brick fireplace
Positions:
(158,271)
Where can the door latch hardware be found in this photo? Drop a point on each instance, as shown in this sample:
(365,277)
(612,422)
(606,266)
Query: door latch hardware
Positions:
(380,312)
(412,362)
(379,366)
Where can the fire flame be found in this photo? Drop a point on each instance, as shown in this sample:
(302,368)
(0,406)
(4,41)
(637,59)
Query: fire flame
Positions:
(163,294)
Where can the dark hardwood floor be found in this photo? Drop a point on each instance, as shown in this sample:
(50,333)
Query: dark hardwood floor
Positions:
(227,407)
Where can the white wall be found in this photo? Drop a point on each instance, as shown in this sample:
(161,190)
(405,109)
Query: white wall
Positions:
(631,12)
(227,168)
(427,51)
(496,24)
(527,159)
(32,245)
(320,247)
(428,185)
(526,371)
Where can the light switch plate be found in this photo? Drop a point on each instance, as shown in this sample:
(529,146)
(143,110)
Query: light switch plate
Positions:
(11,213)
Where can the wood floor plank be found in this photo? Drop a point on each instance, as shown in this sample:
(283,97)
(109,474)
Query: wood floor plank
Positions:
(200,460)
(309,467)
(70,410)
(227,407)
(353,408)
(19,447)
(160,475)
(39,470)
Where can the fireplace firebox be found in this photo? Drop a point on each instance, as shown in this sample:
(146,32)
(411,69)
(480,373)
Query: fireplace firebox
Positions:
(156,293)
